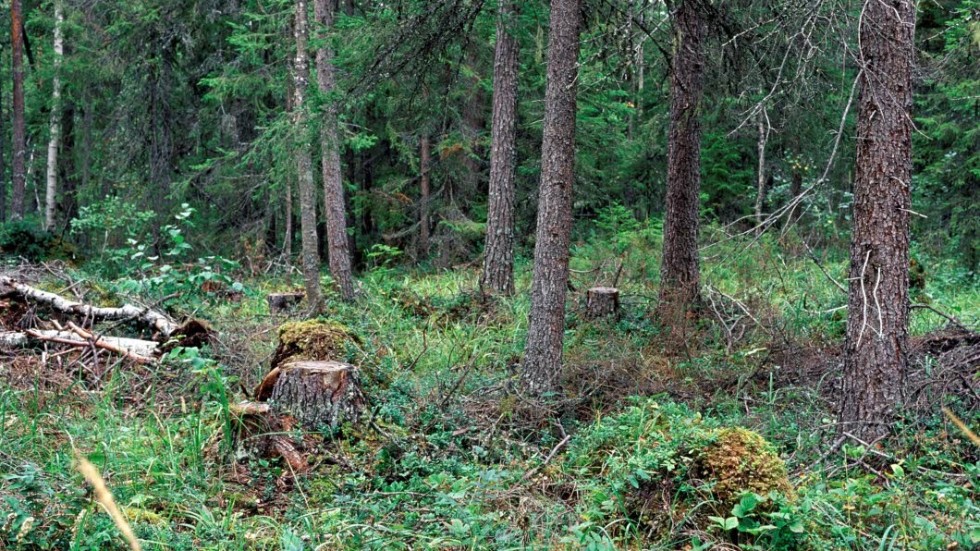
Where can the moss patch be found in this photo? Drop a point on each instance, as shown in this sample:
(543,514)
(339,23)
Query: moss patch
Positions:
(312,340)
(739,461)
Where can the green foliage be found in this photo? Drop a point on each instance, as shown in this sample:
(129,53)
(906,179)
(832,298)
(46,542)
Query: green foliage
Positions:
(23,238)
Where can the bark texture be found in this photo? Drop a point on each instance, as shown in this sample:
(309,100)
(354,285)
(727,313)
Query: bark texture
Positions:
(338,251)
(425,161)
(601,302)
(875,356)
(498,257)
(54,124)
(543,354)
(304,163)
(680,273)
(317,393)
(760,192)
(19,131)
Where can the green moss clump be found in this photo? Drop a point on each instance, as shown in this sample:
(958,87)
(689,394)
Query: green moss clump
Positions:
(312,340)
(739,461)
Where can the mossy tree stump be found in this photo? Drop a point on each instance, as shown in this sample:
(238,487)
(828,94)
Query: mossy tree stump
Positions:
(601,302)
(317,394)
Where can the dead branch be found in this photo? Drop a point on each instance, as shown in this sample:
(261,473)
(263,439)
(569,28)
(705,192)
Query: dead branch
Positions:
(127,312)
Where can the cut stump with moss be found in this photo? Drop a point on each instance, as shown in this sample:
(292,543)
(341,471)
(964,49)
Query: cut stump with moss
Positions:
(317,394)
(312,340)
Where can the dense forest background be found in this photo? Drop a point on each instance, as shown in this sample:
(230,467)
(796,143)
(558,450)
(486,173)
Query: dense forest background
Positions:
(474,274)
(187,103)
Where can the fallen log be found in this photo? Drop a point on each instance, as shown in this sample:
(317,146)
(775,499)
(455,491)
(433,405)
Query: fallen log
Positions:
(145,315)
(138,350)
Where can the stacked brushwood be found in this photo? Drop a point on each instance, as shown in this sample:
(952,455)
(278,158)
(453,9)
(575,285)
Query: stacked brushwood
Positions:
(165,332)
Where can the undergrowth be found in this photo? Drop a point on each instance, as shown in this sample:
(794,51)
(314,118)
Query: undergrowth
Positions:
(451,460)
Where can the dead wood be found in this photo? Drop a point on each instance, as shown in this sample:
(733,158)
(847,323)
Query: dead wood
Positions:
(318,393)
(139,350)
(282,302)
(601,302)
(149,317)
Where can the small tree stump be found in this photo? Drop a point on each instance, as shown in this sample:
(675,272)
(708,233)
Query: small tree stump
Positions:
(601,301)
(317,393)
(280,302)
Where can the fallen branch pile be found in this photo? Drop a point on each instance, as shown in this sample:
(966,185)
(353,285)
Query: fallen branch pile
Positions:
(165,330)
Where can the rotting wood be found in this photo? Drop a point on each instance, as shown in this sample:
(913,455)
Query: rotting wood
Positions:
(149,317)
(601,302)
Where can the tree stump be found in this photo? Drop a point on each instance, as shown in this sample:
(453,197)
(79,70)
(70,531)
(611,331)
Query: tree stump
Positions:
(281,302)
(601,301)
(315,393)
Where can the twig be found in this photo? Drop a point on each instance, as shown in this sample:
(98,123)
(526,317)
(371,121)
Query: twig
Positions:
(951,319)
(547,459)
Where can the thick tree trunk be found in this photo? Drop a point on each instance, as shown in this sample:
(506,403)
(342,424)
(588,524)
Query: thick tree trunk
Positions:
(425,161)
(304,164)
(338,252)
(543,354)
(875,358)
(54,125)
(498,254)
(680,272)
(19,130)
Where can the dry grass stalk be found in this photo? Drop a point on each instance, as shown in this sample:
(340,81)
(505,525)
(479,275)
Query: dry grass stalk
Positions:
(962,426)
(104,497)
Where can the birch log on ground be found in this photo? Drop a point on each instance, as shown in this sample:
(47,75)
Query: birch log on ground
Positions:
(144,315)
(123,345)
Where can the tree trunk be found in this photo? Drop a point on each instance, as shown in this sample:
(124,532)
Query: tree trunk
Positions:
(54,125)
(760,195)
(498,255)
(875,359)
(425,161)
(680,273)
(304,164)
(543,354)
(338,253)
(19,131)
(3,179)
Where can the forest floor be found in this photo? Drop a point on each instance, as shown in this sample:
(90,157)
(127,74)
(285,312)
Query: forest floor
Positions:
(452,459)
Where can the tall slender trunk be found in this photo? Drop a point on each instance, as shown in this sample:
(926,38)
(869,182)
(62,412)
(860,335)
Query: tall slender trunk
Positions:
(424,165)
(498,257)
(543,354)
(3,171)
(54,125)
(304,163)
(760,194)
(338,251)
(287,240)
(18,168)
(680,273)
(875,359)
